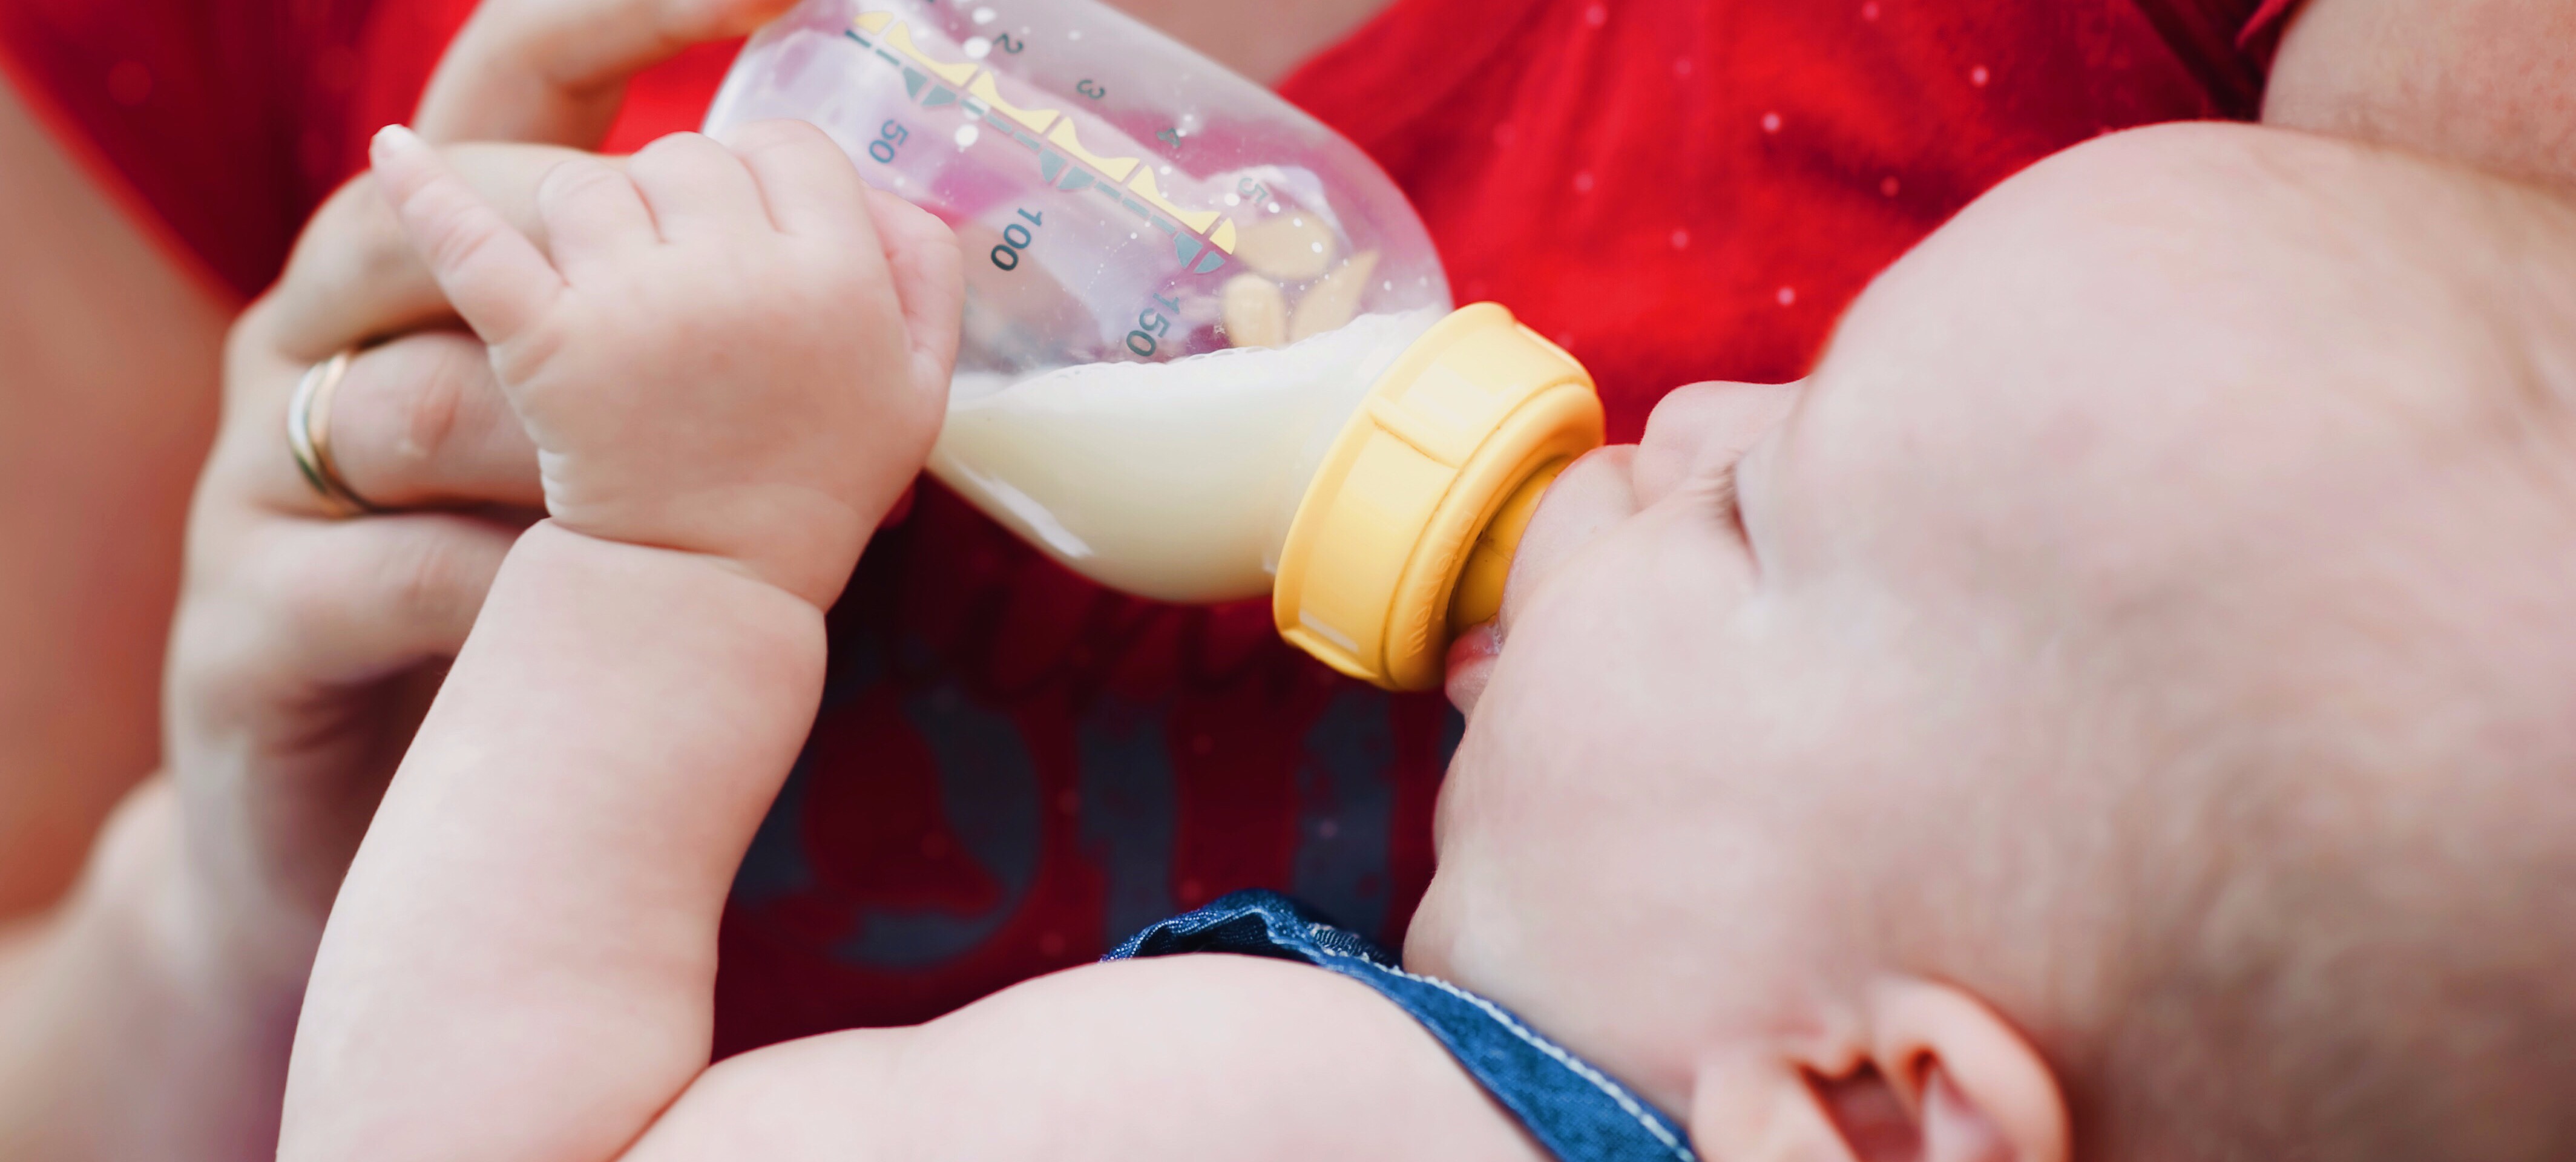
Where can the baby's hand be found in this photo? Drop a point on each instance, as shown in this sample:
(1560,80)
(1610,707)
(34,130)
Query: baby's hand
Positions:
(737,352)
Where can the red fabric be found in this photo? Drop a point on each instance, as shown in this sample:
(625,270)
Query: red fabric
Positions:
(2269,18)
(193,107)
(1694,191)
(222,123)
(2262,35)
(1013,767)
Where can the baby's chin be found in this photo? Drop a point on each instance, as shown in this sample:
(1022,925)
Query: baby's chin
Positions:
(1471,665)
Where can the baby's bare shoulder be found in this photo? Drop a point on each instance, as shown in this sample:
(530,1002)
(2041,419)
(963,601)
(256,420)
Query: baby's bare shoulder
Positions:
(1185,1057)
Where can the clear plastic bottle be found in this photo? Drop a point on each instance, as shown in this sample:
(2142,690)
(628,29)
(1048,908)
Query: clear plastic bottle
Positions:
(1208,349)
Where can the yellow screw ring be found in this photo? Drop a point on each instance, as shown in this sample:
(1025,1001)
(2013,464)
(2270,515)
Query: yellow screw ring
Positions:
(1472,410)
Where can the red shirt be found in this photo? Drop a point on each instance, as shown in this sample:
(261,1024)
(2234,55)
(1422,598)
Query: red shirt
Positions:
(1013,768)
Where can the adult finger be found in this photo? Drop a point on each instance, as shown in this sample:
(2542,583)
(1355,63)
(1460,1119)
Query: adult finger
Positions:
(418,422)
(929,279)
(810,187)
(496,278)
(422,422)
(556,70)
(696,187)
(332,603)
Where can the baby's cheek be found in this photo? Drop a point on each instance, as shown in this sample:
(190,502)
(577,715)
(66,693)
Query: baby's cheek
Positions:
(1460,935)
(1466,929)
(1429,944)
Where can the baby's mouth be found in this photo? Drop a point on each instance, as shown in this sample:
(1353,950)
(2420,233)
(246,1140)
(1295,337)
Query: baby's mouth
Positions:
(1471,662)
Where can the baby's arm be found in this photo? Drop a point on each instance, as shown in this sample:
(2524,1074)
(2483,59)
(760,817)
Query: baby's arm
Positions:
(718,373)
(1187,1058)
(521,962)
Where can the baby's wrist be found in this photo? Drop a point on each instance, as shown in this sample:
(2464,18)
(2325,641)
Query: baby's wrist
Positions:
(795,540)
(573,565)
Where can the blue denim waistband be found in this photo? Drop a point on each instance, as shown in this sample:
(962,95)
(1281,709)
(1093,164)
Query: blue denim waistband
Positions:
(1577,1112)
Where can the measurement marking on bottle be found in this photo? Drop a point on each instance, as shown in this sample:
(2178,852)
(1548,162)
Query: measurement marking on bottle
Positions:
(1151,327)
(1202,240)
(890,135)
(1006,253)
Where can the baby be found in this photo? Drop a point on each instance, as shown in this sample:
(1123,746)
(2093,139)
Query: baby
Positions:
(2114,709)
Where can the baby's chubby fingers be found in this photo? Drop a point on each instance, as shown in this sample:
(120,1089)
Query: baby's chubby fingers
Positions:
(697,188)
(354,276)
(810,186)
(921,252)
(498,280)
(593,216)
(814,193)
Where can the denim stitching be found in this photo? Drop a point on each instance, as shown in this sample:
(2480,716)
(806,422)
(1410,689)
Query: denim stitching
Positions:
(1580,1069)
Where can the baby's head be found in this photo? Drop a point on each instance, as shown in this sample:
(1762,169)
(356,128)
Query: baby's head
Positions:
(2127,698)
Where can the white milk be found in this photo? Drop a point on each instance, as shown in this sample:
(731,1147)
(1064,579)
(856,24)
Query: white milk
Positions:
(1174,481)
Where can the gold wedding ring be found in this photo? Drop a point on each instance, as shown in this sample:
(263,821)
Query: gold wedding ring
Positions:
(308,433)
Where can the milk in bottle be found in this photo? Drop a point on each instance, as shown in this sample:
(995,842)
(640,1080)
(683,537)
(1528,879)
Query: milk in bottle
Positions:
(1203,333)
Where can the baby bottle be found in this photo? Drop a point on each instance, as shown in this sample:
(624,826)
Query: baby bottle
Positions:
(1208,353)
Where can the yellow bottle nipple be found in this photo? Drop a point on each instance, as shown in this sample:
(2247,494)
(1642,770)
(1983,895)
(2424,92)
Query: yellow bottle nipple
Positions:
(1406,532)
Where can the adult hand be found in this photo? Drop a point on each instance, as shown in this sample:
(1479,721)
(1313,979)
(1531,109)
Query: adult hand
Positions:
(152,1017)
(307,644)
(556,70)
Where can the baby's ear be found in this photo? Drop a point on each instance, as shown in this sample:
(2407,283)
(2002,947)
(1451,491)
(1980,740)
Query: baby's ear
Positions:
(1936,1076)
(1978,1090)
